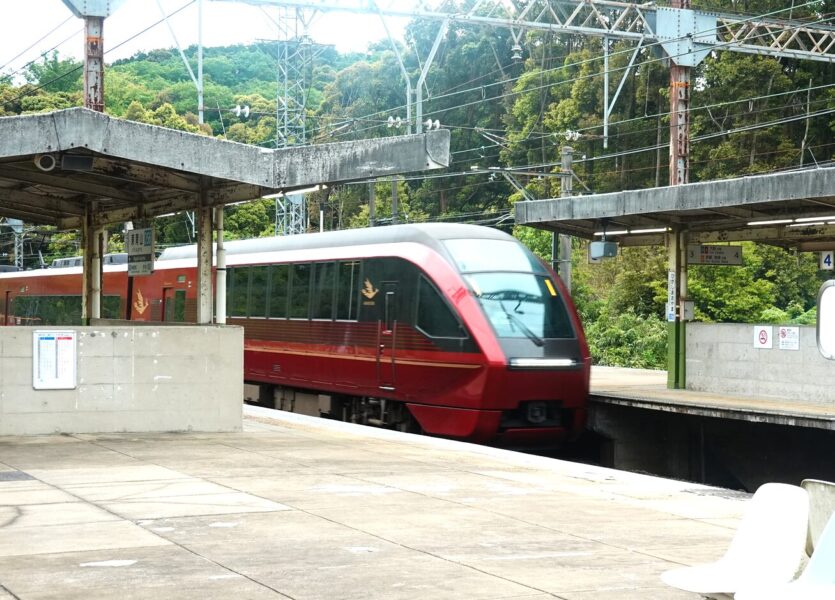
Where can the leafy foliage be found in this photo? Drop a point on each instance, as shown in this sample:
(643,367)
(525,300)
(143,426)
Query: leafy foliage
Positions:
(746,118)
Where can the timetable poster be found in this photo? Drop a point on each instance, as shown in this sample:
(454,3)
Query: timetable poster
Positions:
(54,360)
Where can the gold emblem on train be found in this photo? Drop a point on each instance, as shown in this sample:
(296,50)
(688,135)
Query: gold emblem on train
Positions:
(141,304)
(369,291)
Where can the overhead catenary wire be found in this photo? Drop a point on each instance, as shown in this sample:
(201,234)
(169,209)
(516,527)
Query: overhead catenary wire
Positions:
(42,38)
(583,62)
(524,91)
(111,49)
(579,63)
(541,135)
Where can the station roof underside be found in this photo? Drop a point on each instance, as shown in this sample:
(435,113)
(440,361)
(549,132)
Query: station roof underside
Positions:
(801,202)
(116,170)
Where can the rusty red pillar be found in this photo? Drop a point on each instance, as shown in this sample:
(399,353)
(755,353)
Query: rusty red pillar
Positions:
(93,63)
(679,116)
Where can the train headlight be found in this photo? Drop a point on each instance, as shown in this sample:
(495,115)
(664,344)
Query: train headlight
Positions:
(542,363)
(536,412)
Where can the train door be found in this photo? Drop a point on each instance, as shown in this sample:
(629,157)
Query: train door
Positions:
(173,305)
(386,365)
(167,299)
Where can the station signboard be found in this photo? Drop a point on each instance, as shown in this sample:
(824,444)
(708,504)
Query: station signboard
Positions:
(698,254)
(826,261)
(139,244)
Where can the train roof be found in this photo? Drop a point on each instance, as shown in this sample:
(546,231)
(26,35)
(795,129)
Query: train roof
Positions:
(428,234)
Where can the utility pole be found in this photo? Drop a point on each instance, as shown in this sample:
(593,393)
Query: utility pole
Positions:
(372,203)
(566,190)
(394,208)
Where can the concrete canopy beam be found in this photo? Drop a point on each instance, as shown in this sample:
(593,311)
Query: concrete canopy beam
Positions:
(64,182)
(727,207)
(133,170)
(46,204)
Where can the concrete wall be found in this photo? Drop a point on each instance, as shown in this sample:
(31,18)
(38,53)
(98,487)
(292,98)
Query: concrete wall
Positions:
(721,358)
(152,378)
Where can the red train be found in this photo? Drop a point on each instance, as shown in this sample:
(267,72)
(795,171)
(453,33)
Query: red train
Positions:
(455,330)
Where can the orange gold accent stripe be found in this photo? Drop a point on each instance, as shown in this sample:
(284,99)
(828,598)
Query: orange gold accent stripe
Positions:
(425,363)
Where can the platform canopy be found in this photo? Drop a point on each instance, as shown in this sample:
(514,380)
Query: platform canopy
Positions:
(788,209)
(63,167)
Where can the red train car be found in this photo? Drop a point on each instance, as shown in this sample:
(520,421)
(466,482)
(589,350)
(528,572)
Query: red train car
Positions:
(456,330)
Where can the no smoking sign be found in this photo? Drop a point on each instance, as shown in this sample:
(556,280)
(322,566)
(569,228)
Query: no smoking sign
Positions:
(763,336)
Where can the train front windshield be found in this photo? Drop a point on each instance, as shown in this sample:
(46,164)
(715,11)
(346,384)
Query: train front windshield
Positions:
(515,291)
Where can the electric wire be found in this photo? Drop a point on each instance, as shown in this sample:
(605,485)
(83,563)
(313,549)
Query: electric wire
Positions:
(22,52)
(119,45)
(587,61)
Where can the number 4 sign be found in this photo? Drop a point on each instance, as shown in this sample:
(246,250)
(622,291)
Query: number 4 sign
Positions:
(827,261)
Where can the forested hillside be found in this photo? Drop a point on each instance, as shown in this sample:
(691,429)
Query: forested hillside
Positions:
(749,115)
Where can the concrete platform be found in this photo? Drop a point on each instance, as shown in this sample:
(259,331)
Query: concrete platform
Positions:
(642,388)
(303,508)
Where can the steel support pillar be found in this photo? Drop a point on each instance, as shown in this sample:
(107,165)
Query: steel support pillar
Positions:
(94,245)
(679,125)
(676,294)
(677,246)
(679,115)
(220,276)
(94,63)
(204,262)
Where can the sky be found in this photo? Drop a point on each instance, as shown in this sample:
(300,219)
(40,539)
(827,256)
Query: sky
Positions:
(29,28)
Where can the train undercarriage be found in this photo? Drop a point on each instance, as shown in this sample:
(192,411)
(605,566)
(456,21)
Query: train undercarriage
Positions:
(377,412)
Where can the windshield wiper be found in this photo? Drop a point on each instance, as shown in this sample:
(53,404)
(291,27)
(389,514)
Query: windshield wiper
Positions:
(521,325)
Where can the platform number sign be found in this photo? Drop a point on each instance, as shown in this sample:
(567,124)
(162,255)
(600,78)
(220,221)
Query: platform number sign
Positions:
(827,260)
(139,244)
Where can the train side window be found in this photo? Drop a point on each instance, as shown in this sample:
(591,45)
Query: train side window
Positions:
(323,289)
(47,310)
(258,292)
(300,291)
(279,278)
(238,290)
(111,307)
(434,317)
(346,293)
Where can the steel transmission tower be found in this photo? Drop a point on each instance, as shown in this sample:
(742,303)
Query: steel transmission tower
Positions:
(686,36)
(295,53)
(294,57)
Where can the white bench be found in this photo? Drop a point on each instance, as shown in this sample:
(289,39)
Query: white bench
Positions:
(766,549)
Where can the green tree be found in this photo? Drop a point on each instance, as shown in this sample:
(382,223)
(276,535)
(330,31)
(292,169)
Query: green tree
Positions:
(250,220)
(55,74)
(166,116)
